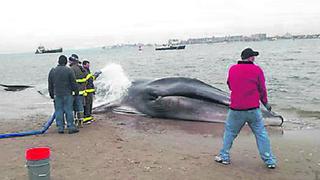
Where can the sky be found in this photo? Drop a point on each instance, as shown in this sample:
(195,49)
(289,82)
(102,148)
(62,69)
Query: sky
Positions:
(94,23)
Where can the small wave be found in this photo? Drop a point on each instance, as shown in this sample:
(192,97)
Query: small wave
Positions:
(224,59)
(312,61)
(289,59)
(315,114)
(299,77)
(293,77)
(281,90)
(189,67)
(315,99)
(298,124)
(295,52)
(278,89)
(304,113)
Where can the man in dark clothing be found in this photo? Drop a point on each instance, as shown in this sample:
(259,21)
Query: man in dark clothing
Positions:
(61,84)
(80,75)
(90,90)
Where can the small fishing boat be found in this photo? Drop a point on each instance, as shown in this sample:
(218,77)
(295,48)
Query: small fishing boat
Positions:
(173,44)
(42,49)
(170,47)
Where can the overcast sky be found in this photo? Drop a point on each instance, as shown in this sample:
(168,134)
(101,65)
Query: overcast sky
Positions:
(87,23)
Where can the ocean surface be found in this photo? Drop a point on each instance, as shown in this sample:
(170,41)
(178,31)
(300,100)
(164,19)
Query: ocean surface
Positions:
(291,67)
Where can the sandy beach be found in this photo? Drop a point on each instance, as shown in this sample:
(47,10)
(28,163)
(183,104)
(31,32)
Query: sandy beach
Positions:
(134,147)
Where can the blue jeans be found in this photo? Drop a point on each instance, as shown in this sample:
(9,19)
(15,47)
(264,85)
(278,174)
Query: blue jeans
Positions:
(78,103)
(63,105)
(235,121)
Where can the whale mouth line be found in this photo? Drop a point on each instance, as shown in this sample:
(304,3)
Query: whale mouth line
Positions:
(196,97)
(127,111)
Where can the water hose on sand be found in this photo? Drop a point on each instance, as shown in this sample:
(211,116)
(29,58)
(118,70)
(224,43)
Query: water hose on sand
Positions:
(33,132)
(51,119)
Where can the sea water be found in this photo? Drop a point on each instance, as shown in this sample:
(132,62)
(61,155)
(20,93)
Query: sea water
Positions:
(291,67)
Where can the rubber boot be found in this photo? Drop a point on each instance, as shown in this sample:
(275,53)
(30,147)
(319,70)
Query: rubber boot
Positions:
(76,121)
(87,120)
(80,119)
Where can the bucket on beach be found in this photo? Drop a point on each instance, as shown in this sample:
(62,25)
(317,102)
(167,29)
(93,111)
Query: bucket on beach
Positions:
(38,163)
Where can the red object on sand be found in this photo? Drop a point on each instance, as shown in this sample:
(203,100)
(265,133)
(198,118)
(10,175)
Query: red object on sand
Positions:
(38,153)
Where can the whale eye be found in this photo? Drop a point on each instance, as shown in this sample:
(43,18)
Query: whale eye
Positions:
(153,96)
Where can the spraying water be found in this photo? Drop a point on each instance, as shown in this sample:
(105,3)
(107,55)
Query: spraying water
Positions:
(111,85)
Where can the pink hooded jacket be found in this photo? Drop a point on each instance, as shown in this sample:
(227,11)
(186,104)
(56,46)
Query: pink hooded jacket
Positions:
(247,85)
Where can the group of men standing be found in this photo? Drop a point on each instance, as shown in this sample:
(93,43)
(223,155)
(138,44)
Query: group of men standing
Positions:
(72,89)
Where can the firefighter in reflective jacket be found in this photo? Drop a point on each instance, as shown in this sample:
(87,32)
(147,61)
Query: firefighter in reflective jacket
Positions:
(90,91)
(80,75)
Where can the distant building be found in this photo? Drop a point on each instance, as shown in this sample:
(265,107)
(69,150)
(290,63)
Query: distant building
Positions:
(299,36)
(259,37)
(201,40)
(174,41)
(234,38)
(287,36)
(253,37)
(219,39)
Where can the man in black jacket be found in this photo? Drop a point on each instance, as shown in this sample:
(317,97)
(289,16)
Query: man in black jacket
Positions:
(61,84)
(80,75)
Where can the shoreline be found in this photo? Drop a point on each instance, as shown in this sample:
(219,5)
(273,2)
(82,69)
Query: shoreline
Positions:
(134,147)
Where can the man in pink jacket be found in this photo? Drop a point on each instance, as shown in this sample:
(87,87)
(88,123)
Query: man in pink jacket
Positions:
(247,85)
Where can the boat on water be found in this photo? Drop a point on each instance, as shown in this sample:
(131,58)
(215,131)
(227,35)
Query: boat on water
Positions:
(173,44)
(170,47)
(42,49)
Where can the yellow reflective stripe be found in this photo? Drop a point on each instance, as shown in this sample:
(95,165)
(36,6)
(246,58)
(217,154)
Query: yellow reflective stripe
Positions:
(90,90)
(83,93)
(83,80)
(87,119)
(89,76)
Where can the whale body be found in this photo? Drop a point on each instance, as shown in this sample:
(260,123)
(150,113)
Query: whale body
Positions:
(178,98)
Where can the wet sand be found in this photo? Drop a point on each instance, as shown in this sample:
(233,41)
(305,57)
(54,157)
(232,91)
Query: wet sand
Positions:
(134,147)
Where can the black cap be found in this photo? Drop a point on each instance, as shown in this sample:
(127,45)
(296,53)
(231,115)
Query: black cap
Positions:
(248,52)
(62,60)
(74,57)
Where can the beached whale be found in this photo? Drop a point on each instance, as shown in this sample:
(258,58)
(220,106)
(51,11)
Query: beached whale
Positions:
(178,98)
